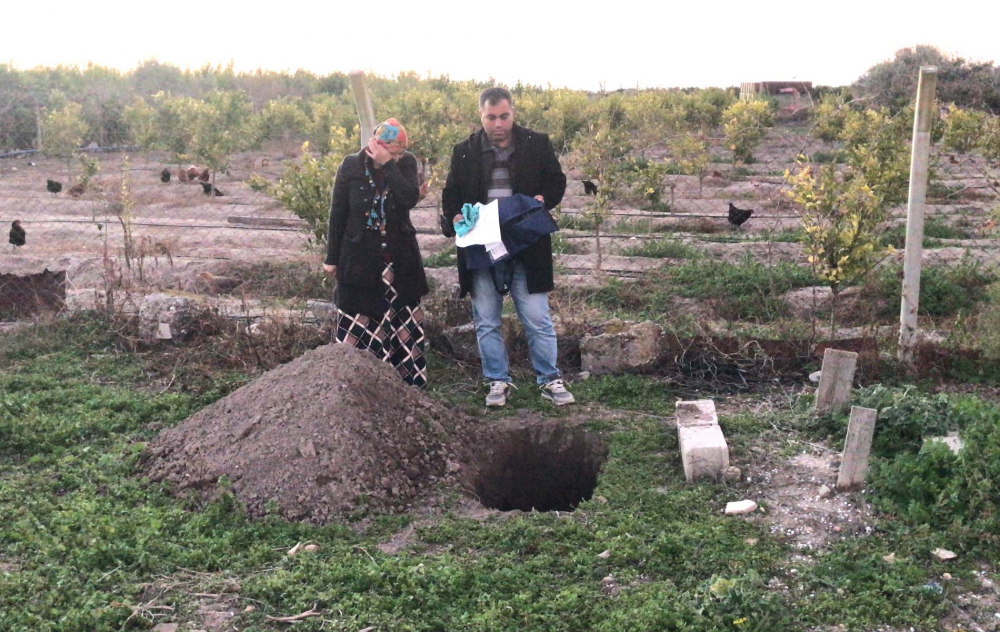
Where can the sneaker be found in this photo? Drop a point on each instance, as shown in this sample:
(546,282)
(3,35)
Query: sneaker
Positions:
(498,393)
(555,391)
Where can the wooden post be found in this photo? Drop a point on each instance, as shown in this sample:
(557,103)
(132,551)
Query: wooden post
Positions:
(919,161)
(836,380)
(363,102)
(857,447)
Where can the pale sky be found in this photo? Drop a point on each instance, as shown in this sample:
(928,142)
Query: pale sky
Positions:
(622,43)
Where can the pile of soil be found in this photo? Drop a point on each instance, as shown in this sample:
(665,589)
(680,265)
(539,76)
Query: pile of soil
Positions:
(321,437)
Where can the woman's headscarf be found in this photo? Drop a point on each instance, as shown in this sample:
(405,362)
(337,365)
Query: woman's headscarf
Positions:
(390,132)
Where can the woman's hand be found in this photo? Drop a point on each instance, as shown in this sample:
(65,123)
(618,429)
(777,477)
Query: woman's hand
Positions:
(330,270)
(377,152)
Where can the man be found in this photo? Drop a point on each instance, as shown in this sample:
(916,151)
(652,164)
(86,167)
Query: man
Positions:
(496,162)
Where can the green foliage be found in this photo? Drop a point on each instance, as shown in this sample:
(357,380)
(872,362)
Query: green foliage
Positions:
(142,122)
(281,119)
(88,169)
(661,249)
(944,290)
(173,123)
(968,84)
(446,258)
(963,129)
(830,116)
(306,189)
(744,123)
(63,131)
(221,127)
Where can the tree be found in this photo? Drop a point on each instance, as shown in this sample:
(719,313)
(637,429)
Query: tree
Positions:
(63,131)
(221,127)
(744,123)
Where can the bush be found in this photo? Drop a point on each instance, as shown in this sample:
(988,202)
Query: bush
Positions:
(661,249)
(744,124)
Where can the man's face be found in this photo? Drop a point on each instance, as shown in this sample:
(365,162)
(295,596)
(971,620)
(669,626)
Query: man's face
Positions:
(497,121)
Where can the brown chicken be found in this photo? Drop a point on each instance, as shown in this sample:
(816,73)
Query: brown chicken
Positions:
(77,190)
(192,173)
(182,175)
(204,176)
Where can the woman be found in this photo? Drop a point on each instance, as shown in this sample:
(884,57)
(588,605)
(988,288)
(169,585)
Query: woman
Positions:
(374,256)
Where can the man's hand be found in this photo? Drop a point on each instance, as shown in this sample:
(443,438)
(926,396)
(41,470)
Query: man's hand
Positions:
(330,270)
(540,199)
(457,219)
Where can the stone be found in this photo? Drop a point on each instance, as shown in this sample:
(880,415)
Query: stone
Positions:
(310,548)
(740,507)
(605,555)
(704,451)
(583,375)
(166,627)
(857,447)
(807,302)
(947,577)
(890,558)
(824,491)
(815,376)
(944,554)
(751,541)
(836,380)
(250,609)
(178,313)
(324,311)
(732,474)
(308,449)
(636,348)
(952,440)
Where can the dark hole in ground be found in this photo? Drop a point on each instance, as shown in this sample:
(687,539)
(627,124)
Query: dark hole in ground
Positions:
(544,467)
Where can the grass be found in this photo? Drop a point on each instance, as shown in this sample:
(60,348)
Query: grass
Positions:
(662,249)
(88,545)
(442,259)
(934,229)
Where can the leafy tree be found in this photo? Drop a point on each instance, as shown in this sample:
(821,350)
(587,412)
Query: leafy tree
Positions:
(63,133)
(744,123)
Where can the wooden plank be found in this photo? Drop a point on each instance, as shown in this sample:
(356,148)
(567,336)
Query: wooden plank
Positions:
(835,383)
(857,447)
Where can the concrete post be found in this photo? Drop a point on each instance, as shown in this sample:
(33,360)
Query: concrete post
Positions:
(704,451)
(857,447)
(919,162)
(836,380)
(363,103)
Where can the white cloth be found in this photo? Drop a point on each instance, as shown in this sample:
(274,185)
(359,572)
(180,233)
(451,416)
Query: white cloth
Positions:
(487,228)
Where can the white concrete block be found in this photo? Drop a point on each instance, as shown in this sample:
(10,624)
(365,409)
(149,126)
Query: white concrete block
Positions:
(704,451)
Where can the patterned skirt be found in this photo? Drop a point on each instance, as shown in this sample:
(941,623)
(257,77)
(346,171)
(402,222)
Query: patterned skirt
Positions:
(398,338)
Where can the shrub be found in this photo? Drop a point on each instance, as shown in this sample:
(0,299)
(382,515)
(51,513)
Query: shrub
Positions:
(744,124)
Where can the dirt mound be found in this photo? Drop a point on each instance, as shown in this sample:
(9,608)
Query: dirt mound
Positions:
(318,438)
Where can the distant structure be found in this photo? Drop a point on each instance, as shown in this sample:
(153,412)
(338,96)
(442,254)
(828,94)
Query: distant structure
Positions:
(792,96)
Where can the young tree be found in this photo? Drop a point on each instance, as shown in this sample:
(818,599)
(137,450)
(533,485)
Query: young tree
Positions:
(221,127)
(63,131)
(744,123)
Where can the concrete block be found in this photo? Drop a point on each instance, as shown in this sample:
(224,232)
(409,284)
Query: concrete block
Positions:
(704,451)
(857,447)
(836,380)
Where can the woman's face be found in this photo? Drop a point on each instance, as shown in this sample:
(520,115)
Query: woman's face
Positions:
(395,150)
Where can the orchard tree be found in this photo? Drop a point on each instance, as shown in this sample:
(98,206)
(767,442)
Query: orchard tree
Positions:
(62,133)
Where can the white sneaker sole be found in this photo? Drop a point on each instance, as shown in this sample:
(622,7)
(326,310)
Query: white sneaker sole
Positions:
(549,398)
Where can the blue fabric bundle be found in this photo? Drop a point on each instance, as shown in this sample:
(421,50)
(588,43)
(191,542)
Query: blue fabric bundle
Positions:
(523,221)
(470,215)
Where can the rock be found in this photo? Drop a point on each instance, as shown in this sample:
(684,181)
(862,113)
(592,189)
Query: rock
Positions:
(952,440)
(292,552)
(740,507)
(751,541)
(250,609)
(324,311)
(890,558)
(583,375)
(946,576)
(310,548)
(452,467)
(944,554)
(732,474)
(704,451)
(636,348)
(166,317)
(605,555)
(815,375)
(308,450)
(601,499)
(824,491)
(804,304)
(166,627)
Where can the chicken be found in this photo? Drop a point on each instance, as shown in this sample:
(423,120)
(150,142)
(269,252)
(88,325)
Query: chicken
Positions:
(738,216)
(165,175)
(182,175)
(204,176)
(53,187)
(76,190)
(192,173)
(265,163)
(208,189)
(17,234)
(589,187)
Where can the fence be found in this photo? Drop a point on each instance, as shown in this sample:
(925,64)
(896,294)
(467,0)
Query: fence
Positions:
(687,229)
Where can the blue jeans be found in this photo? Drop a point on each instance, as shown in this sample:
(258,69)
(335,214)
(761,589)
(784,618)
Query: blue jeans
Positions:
(532,310)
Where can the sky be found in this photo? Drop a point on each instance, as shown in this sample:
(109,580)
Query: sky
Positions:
(585,45)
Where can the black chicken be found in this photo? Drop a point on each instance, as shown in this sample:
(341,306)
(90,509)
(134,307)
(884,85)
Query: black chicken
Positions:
(53,187)
(589,187)
(738,216)
(165,175)
(208,189)
(17,234)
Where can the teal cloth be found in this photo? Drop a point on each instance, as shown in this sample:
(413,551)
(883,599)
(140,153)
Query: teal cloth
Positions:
(470,215)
